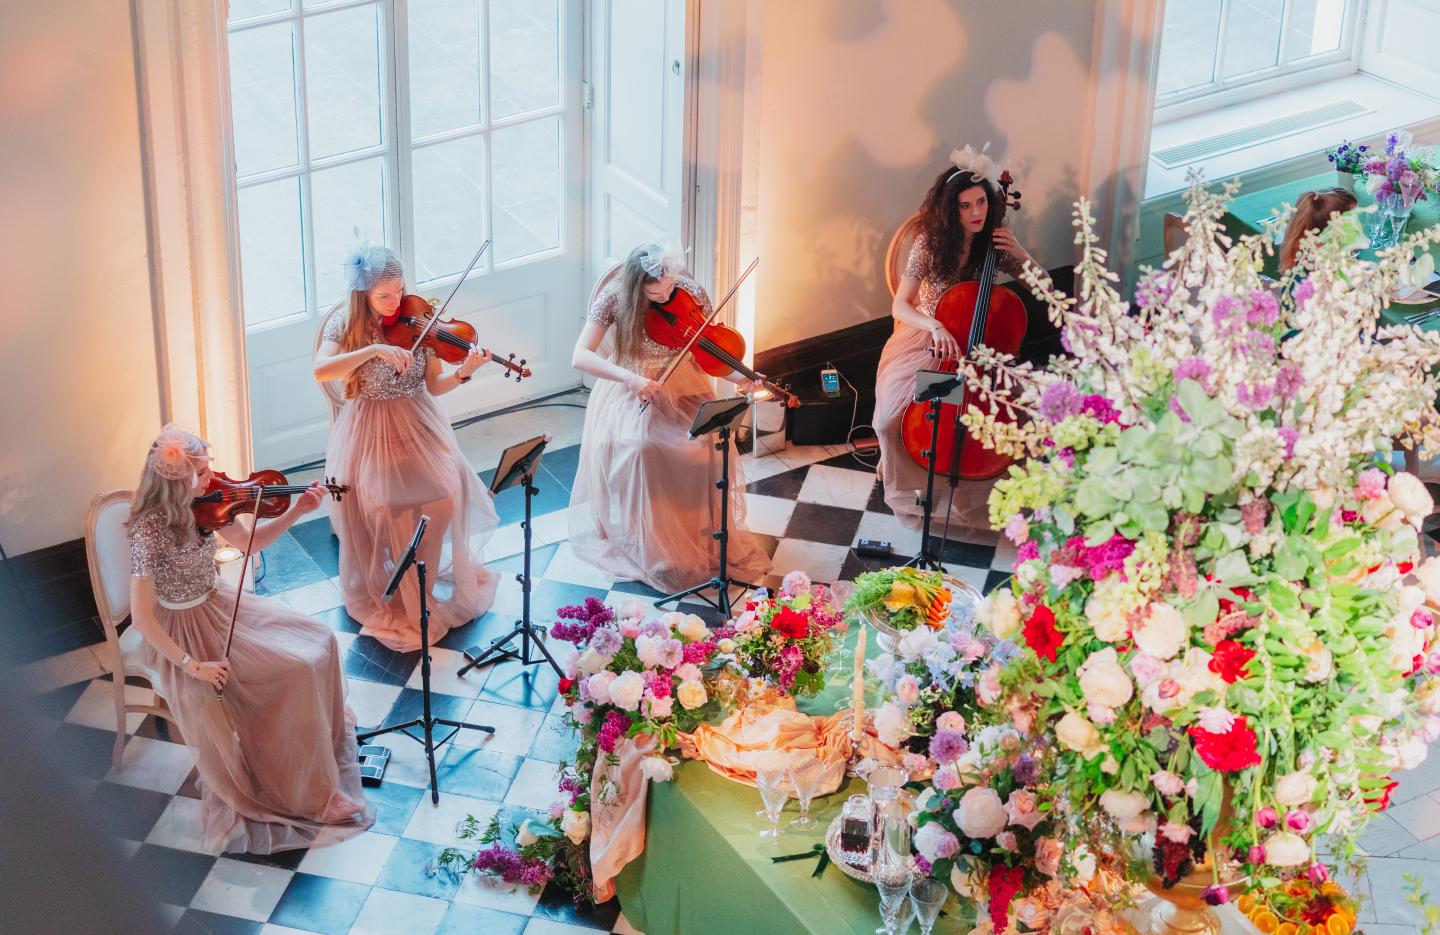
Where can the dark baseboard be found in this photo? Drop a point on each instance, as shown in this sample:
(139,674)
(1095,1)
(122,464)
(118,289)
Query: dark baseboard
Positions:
(46,605)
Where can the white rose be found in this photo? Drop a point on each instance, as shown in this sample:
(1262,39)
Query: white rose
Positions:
(890,724)
(1000,613)
(626,690)
(961,882)
(915,644)
(1408,493)
(1428,574)
(1109,626)
(1103,682)
(726,645)
(648,649)
(693,628)
(980,814)
(1412,752)
(1123,806)
(1162,632)
(691,694)
(1283,849)
(632,608)
(1074,732)
(657,769)
(1382,512)
(672,619)
(525,837)
(1083,863)
(1296,788)
(576,825)
(591,662)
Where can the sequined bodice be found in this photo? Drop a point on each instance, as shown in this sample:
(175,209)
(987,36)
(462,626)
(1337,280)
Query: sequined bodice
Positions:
(653,355)
(932,288)
(378,380)
(183,570)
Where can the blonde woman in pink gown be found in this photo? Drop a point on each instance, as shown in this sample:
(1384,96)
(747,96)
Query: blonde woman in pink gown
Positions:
(395,448)
(959,220)
(644,504)
(276,755)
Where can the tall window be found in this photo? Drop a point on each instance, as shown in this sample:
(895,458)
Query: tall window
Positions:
(426,125)
(1215,51)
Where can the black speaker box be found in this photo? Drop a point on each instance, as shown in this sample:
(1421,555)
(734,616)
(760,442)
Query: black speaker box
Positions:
(819,419)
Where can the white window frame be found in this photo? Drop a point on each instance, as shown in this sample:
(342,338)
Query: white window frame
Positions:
(1220,92)
(396,148)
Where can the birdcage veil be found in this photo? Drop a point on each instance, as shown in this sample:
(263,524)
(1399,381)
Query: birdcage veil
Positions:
(368,264)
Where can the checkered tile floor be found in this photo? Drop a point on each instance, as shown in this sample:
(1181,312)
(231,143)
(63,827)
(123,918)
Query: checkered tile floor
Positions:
(809,504)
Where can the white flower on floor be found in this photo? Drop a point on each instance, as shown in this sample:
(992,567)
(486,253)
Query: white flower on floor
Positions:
(576,826)
(525,837)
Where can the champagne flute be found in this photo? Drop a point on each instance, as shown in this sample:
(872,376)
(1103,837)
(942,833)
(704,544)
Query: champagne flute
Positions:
(894,887)
(770,780)
(928,897)
(804,778)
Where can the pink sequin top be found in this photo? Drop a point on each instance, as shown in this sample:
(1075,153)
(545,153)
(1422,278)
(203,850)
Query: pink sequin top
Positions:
(183,571)
(378,380)
(654,354)
(931,289)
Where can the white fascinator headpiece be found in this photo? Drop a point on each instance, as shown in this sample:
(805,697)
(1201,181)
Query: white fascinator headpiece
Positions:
(661,260)
(978,164)
(367,264)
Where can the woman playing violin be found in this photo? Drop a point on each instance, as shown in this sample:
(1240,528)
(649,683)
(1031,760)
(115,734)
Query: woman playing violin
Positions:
(644,503)
(959,221)
(276,756)
(394,447)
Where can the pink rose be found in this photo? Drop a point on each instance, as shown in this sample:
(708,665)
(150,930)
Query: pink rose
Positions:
(1168,783)
(689,672)
(629,629)
(1048,852)
(598,685)
(657,709)
(950,720)
(1298,819)
(1100,714)
(1266,817)
(988,689)
(1023,809)
(946,779)
(1146,669)
(914,763)
(583,714)
(1178,833)
(907,690)
(1005,840)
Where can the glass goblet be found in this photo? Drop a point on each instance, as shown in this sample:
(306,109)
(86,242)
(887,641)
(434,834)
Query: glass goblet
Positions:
(805,779)
(771,783)
(928,897)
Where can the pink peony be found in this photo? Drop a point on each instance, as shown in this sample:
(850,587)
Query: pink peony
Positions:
(1266,817)
(950,720)
(1299,820)
(1178,833)
(907,690)
(1168,783)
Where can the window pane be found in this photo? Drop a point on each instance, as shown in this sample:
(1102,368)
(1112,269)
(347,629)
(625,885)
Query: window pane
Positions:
(526,176)
(271,262)
(1187,45)
(342,72)
(524,56)
(344,199)
(262,99)
(246,9)
(444,65)
(1315,27)
(1252,36)
(449,206)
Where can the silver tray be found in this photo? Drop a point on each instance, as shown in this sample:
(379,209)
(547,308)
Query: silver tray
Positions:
(963,599)
(837,856)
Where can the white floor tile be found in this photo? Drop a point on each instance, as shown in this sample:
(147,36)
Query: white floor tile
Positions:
(837,486)
(153,764)
(539,925)
(975,577)
(768,515)
(387,912)
(371,701)
(821,561)
(313,598)
(78,665)
(357,860)
(536,785)
(477,889)
(444,664)
(179,827)
(437,823)
(623,927)
(96,706)
(1419,816)
(515,727)
(566,566)
(242,889)
(884,527)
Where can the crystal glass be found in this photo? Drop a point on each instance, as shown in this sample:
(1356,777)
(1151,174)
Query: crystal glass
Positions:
(928,896)
(857,822)
(884,785)
(804,777)
(894,901)
(770,780)
(895,838)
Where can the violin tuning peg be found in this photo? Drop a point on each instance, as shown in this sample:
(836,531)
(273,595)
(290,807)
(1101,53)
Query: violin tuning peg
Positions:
(522,361)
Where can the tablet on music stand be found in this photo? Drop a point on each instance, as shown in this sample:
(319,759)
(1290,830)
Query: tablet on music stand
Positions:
(408,559)
(517,461)
(939,384)
(718,414)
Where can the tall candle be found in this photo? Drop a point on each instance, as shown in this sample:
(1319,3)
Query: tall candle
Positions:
(857,703)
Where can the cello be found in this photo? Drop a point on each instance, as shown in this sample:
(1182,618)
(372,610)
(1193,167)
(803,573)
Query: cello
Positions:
(985,314)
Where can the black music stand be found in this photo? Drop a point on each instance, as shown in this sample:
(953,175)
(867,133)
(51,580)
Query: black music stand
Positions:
(425,722)
(718,415)
(517,466)
(937,387)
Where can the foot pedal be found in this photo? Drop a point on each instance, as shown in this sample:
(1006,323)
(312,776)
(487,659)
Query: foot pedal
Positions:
(373,760)
(874,548)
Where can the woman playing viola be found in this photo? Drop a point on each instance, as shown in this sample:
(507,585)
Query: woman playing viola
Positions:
(644,503)
(395,448)
(959,221)
(276,755)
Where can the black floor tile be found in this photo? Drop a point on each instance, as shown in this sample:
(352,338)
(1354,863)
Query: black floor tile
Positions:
(190,788)
(786,485)
(159,728)
(284,860)
(172,876)
(556,903)
(850,463)
(818,522)
(477,773)
(338,620)
(855,565)
(525,686)
(318,540)
(546,597)
(409,706)
(286,566)
(877,502)
(510,503)
(128,812)
(995,579)
(405,871)
(461,919)
(370,659)
(394,803)
(515,564)
(967,553)
(478,632)
(561,465)
(320,904)
(57,703)
(86,751)
(195,922)
(638,588)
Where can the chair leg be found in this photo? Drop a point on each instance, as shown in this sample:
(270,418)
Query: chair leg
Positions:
(117,673)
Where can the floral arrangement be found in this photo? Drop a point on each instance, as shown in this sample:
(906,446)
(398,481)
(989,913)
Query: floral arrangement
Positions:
(520,855)
(906,597)
(1301,907)
(1398,168)
(1226,633)
(788,639)
(986,824)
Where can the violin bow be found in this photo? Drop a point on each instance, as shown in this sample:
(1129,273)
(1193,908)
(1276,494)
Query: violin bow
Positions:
(240,589)
(679,355)
(420,338)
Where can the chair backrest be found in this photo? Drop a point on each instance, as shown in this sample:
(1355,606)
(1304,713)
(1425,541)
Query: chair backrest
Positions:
(1174,232)
(607,348)
(107,550)
(334,390)
(898,253)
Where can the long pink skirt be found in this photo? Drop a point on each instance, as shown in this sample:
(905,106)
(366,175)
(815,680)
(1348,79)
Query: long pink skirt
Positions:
(401,460)
(644,503)
(907,351)
(276,755)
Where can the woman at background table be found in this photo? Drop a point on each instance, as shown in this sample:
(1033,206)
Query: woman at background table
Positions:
(1312,213)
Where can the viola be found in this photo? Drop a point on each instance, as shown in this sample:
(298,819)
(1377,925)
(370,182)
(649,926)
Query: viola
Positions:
(226,498)
(450,339)
(680,323)
(986,314)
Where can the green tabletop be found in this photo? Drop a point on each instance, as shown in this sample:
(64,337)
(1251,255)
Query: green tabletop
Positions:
(705,868)
(1249,211)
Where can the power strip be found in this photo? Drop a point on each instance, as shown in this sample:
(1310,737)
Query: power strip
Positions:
(874,548)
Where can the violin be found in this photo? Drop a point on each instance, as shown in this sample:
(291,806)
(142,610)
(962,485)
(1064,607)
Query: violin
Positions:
(680,323)
(226,498)
(986,314)
(450,339)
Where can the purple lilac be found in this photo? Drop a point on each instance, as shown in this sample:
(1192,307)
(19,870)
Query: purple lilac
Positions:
(1060,400)
(1288,382)
(1026,770)
(606,642)
(1102,560)
(698,653)
(1304,292)
(1289,436)
(616,724)
(947,746)
(1154,290)
(659,684)
(1264,310)
(1028,551)
(1193,368)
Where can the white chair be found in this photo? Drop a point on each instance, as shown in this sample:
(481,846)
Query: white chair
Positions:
(333,389)
(898,253)
(107,550)
(607,348)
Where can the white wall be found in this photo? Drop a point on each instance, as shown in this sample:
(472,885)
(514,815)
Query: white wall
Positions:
(861,103)
(77,362)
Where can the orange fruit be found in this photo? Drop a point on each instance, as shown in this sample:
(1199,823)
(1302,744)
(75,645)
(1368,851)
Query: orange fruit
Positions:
(1266,921)
(1305,929)
(1287,928)
(1246,904)
(1338,924)
(1331,888)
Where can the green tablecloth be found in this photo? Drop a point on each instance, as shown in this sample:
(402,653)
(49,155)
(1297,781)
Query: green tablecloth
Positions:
(705,868)
(1249,211)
